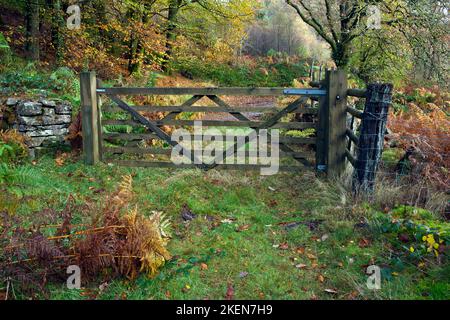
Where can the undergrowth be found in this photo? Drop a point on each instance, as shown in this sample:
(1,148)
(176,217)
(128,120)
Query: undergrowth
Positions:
(115,239)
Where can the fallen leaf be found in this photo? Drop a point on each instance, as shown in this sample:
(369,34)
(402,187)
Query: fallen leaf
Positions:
(243,228)
(187,214)
(332,291)
(284,246)
(168,294)
(311,256)
(59,162)
(273,203)
(300,250)
(186,288)
(364,243)
(230,293)
(403,237)
(203,266)
(226,221)
(321,278)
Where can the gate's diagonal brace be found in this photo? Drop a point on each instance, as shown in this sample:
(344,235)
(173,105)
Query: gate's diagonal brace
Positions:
(153,127)
(188,103)
(266,125)
(290,108)
(224,105)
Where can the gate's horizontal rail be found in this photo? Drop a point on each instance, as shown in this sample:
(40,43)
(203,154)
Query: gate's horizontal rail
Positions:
(201,91)
(161,151)
(216,123)
(359,93)
(159,164)
(306,110)
(355,112)
(148,136)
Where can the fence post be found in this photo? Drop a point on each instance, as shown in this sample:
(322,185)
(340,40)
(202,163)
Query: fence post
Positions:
(99,121)
(371,139)
(330,153)
(89,117)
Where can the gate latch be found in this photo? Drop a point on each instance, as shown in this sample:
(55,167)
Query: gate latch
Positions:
(305,92)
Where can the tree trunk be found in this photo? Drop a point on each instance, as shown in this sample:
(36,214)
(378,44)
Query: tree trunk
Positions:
(57,29)
(136,49)
(174,7)
(135,56)
(32,30)
(341,55)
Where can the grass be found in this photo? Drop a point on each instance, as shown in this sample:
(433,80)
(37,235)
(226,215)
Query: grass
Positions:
(239,238)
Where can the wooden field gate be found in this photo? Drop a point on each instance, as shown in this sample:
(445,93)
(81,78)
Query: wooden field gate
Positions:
(325,104)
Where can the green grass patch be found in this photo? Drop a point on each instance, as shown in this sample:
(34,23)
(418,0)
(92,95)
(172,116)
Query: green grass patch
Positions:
(276,237)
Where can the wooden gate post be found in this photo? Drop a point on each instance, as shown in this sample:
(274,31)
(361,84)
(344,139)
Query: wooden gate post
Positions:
(89,117)
(330,153)
(371,139)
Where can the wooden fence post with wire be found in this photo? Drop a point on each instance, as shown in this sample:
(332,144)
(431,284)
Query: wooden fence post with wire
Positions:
(369,143)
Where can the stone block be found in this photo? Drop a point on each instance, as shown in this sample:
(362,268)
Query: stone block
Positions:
(12,102)
(29,108)
(48,103)
(63,108)
(30,121)
(48,131)
(57,119)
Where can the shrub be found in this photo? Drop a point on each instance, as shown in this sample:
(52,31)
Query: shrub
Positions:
(427,133)
(243,75)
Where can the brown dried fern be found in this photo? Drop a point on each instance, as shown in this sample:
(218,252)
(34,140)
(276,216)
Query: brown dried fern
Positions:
(120,241)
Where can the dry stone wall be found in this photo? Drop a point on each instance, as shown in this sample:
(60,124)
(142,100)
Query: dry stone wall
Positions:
(44,122)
